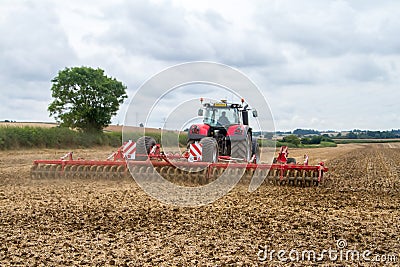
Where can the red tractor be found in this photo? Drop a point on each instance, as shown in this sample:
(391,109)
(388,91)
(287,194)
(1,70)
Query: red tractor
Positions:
(225,133)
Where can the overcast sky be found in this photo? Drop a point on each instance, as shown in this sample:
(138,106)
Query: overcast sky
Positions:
(320,64)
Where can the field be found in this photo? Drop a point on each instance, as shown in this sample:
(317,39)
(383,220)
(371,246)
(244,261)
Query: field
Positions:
(113,222)
(27,124)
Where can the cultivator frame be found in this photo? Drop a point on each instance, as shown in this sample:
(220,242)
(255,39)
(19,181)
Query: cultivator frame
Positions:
(178,168)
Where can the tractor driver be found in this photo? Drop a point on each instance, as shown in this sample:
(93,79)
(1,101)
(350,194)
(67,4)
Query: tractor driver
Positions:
(223,120)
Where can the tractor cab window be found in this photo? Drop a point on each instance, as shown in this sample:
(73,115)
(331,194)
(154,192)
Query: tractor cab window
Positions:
(221,116)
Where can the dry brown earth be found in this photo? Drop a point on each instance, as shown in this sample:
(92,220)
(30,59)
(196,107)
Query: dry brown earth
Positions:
(111,222)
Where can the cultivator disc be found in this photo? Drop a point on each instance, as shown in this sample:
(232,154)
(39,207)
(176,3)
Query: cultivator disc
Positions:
(200,175)
(178,169)
(78,170)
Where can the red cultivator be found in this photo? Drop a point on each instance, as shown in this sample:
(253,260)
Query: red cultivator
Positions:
(223,145)
(145,158)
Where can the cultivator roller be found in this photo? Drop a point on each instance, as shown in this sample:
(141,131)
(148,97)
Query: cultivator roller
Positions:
(145,160)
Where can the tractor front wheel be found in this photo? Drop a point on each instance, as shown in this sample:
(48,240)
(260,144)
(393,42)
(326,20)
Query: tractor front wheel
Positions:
(209,149)
(143,147)
(242,149)
(256,150)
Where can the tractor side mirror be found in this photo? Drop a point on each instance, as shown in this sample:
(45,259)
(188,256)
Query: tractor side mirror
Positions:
(200,112)
(255,114)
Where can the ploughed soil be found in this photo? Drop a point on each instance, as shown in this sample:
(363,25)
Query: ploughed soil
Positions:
(114,222)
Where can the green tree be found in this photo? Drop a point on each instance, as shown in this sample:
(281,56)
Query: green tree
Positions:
(316,139)
(352,135)
(292,139)
(85,98)
(305,141)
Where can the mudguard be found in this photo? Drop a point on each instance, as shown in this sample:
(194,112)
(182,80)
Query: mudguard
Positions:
(198,131)
(238,132)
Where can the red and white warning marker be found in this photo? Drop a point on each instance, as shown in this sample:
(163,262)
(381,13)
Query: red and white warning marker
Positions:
(126,151)
(195,152)
(129,150)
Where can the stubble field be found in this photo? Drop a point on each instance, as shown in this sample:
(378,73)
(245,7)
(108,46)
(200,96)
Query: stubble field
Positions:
(113,222)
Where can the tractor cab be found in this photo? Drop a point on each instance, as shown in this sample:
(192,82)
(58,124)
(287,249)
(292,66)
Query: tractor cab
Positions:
(221,114)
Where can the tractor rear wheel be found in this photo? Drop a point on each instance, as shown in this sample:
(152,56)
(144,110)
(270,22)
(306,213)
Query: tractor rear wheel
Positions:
(143,147)
(241,149)
(209,149)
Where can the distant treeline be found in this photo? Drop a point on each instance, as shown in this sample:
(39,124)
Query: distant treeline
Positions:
(314,141)
(60,137)
(359,134)
(354,134)
(302,132)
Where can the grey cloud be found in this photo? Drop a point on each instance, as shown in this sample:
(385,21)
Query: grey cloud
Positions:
(151,30)
(333,28)
(179,35)
(33,48)
(335,70)
(33,44)
(365,70)
(348,107)
(300,53)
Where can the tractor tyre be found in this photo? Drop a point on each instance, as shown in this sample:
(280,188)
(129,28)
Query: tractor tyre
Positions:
(190,142)
(291,161)
(255,148)
(143,147)
(209,149)
(242,149)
